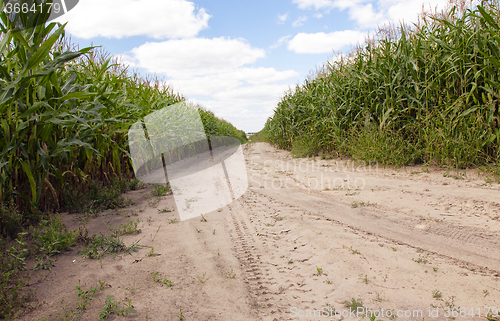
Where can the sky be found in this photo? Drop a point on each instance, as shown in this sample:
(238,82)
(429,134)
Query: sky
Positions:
(236,58)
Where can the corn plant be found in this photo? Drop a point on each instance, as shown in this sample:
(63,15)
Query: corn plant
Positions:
(65,113)
(422,93)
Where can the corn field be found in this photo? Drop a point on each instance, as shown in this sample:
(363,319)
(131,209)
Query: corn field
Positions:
(65,113)
(428,93)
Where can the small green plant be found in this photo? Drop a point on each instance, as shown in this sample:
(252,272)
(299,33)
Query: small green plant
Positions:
(98,246)
(203,278)
(353,251)
(84,297)
(136,184)
(203,219)
(12,277)
(421,259)
(174,220)
(162,281)
(161,190)
(364,278)
(52,236)
(354,304)
(319,271)
(130,228)
(436,294)
(111,306)
(228,275)
(180,315)
(164,210)
(44,262)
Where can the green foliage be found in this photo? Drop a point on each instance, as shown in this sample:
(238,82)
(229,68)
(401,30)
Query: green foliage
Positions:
(52,236)
(259,137)
(130,228)
(304,146)
(426,93)
(111,306)
(11,220)
(97,246)
(64,118)
(12,281)
(219,127)
(354,304)
(161,190)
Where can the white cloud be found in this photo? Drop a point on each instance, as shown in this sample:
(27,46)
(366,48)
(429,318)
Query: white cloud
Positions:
(195,56)
(318,15)
(158,19)
(368,14)
(324,42)
(282,18)
(299,21)
(218,73)
(314,4)
(280,41)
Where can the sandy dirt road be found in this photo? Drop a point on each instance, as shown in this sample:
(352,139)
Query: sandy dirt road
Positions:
(308,235)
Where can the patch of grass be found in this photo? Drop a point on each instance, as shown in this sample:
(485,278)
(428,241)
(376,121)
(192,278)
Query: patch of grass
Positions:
(229,274)
(112,244)
(113,307)
(161,281)
(52,237)
(304,146)
(12,278)
(421,259)
(354,304)
(161,190)
(129,228)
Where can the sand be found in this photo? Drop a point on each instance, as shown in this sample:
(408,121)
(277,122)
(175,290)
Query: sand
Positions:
(307,236)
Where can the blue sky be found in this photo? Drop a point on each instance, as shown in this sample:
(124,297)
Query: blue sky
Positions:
(236,58)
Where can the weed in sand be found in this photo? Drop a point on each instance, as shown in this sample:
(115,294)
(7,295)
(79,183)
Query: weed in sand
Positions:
(156,233)
(378,297)
(44,262)
(101,245)
(52,237)
(161,190)
(354,304)
(228,275)
(203,219)
(353,251)
(436,294)
(129,228)
(164,210)
(180,315)
(421,259)
(111,306)
(319,271)
(365,278)
(203,278)
(161,281)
